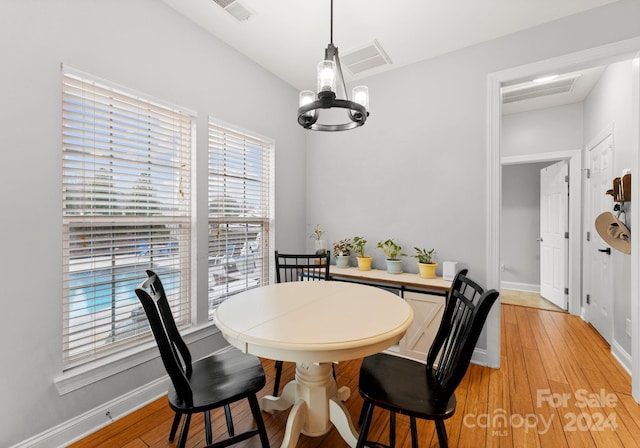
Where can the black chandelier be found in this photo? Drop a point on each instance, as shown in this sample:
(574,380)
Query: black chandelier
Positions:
(328,71)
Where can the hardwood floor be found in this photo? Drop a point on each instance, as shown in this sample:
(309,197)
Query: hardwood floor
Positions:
(558,386)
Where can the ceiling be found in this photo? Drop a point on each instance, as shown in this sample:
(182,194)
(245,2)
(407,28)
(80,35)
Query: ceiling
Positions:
(567,88)
(288,37)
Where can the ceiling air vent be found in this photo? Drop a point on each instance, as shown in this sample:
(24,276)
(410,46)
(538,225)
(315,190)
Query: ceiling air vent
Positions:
(534,89)
(235,8)
(365,58)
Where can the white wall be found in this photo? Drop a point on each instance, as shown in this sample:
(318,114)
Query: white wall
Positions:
(146,46)
(610,104)
(417,170)
(544,130)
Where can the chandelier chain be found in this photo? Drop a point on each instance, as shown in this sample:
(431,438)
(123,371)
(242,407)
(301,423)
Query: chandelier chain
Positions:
(331,36)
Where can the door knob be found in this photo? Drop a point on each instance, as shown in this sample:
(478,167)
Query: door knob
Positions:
(606,251)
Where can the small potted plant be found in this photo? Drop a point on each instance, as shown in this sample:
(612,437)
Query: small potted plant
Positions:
(342,251)
(393,252)
(317,237)
(426,265)
(364,261)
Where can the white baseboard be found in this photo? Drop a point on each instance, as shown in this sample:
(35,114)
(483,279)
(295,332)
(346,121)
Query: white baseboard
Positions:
(479,357)
(89,422)
(622,356)
(527,287)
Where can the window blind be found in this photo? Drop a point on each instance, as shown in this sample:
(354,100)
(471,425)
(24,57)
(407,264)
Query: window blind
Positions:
(239,212)
(126,179)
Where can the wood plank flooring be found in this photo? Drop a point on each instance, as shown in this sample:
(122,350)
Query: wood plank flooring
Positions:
(558,386)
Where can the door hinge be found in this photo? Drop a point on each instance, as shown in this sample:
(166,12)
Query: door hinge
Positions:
(566,235)
(588,236)
(588,299)
(588,171)
(566,291)
(566,179)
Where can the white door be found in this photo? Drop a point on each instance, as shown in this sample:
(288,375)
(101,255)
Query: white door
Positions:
(599,280)
(554,224)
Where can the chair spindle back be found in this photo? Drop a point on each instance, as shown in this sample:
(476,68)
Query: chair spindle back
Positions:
(302,267)
(466,309)
(173,350)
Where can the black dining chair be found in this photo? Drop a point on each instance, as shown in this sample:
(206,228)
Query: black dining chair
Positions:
(209,383)
(299,267)
(405,386)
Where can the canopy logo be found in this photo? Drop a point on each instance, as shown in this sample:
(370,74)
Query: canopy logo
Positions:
(578,411)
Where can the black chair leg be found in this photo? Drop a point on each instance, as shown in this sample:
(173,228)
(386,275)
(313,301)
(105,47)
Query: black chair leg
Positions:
(414,432)
(367,409)
(257,416)
(207,427)
(185,431)
(361,417)
(392,429)
(276,385)
(227,415)
(442,434)
(174,426)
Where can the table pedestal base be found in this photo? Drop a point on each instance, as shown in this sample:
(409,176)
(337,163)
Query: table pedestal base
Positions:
(317,404)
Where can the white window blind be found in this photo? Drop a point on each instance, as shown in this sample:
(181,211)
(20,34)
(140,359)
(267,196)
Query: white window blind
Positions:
(126,208)
(239,212)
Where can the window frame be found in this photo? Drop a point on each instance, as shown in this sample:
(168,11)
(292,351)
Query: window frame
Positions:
(135,215)
(217,128)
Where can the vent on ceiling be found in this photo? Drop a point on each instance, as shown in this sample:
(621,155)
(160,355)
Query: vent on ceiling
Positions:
(235,8)
(533,89)
(365,58)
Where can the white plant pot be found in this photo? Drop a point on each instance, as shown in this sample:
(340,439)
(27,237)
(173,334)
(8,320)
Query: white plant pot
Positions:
(394,266)
(342,261)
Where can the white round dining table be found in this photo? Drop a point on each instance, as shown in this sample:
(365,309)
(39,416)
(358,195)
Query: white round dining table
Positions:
(313,324)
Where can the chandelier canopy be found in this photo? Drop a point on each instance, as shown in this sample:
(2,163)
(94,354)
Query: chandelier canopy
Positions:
(329,73)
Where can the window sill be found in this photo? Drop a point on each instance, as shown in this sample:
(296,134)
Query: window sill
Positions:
(81,376)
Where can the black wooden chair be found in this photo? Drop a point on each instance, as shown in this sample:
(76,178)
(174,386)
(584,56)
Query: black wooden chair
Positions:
(408,387)
(209,383)
(299,267)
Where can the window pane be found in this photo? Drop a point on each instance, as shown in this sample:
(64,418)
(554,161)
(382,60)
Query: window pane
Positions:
(126,208)
(239,212)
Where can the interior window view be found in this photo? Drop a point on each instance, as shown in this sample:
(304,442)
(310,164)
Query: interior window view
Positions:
(330,223)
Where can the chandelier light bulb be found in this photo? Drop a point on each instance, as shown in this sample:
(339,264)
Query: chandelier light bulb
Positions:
(306,97)
(326,76)
(360,95)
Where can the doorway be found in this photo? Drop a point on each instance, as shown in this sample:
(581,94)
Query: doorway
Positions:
(534,234)
(574,251)
(618,51)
